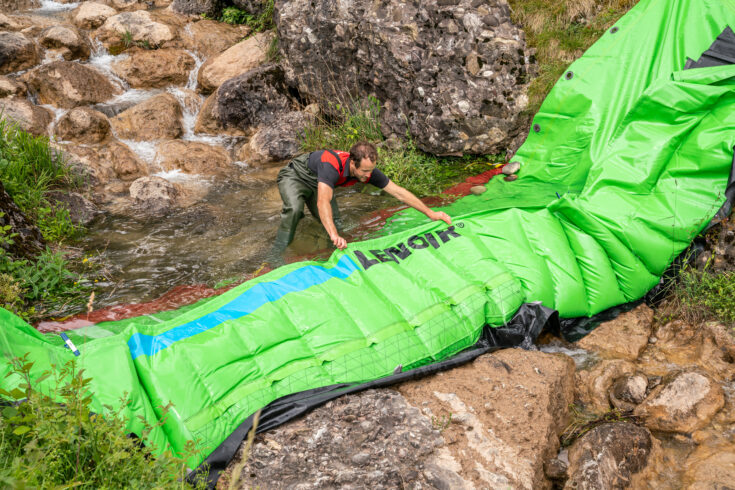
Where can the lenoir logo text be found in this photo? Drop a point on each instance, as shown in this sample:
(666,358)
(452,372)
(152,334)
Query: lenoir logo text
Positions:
(402,250)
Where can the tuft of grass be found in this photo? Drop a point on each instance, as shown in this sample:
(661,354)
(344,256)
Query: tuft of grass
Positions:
(258,23)
(560,32)
(54,440)
(357,120)
(703,295)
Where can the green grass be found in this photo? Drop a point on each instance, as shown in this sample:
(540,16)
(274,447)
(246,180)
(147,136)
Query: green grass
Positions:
(258,23)
(29,169)
(54,440)
(561,32)
(703,295)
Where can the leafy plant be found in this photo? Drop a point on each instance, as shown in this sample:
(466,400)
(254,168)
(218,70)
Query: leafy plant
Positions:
(127,39)
(258,23)
(701,295)
(54,440)
(357,120)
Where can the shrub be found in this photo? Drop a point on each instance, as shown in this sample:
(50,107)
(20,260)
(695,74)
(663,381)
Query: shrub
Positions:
(47,444)
(261,22)
(354,121)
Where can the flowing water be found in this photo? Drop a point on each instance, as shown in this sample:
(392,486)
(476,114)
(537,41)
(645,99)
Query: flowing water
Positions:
(227,225)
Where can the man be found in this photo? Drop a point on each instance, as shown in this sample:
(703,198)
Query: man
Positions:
(311,179)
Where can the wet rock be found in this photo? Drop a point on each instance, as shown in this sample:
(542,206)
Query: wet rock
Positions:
(17,52)
(608,456)
(28,241)
(511,168)
(510,178)
(154,195)
(156,118)
(255,98)
(29,117)
(708,346)
(478,189)
(684,402)
(371,439)
(83,125)
(91,15)
(455,83)
(593,384)
(81,210)
(197,7)
(108,162)
(139,24)
(710,467)
(208,38)
(66,40)
(191,102)
(234,61)
(275,142)
(625,337)
(193,157)
(158,68)
(628,391)
(9,87)
(9,23)
(18,5)
(208,120)
(67,84)
(501,416)
(128,5)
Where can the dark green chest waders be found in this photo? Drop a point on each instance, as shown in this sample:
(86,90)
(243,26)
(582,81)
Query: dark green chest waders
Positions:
(298,185)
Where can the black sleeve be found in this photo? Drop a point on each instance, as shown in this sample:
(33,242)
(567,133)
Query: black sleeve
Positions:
(378,179)
(327,174)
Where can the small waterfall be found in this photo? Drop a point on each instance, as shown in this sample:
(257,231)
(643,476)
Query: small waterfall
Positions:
(102,60)
(58,114)
(191,84)
(50,7)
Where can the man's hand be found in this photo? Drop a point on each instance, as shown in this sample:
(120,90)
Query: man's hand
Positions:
(438,215)
(339,242)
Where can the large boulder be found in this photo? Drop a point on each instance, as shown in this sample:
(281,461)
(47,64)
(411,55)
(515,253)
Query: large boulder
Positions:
(625,337)
(17,52)
(501,415)
(10,23)
(65,40)
(29,117)
(609,456)
(139,24)
(234,61)
(276,141)
(81,210)
(159,68)
(453,73)
(91,15)
(154,195)
(209,37)
(10,86)
(83,125)
(684,402)
(67,84)
(193,157)
(107,163)
(153,119)
(253,98)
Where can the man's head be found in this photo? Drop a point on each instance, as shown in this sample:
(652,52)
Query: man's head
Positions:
(363,157)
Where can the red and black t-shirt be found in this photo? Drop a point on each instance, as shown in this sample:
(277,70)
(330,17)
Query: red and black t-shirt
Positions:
(326,164)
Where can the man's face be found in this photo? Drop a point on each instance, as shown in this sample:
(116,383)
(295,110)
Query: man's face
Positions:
(363,172)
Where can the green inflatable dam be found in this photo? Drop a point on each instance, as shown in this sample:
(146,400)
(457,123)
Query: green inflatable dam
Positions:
(628,159)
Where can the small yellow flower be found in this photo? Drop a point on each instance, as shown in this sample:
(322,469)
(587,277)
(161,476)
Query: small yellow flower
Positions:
(95,280)
(84,260)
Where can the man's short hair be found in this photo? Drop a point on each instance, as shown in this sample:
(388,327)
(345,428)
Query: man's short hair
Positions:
(363,149)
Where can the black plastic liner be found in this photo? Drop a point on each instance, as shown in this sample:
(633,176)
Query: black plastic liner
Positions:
(522,331)
(722,52)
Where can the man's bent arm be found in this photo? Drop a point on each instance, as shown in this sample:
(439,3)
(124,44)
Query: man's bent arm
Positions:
(407,197)
(324,205)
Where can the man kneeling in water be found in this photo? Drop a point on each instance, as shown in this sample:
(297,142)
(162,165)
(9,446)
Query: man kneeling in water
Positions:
(311,179)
